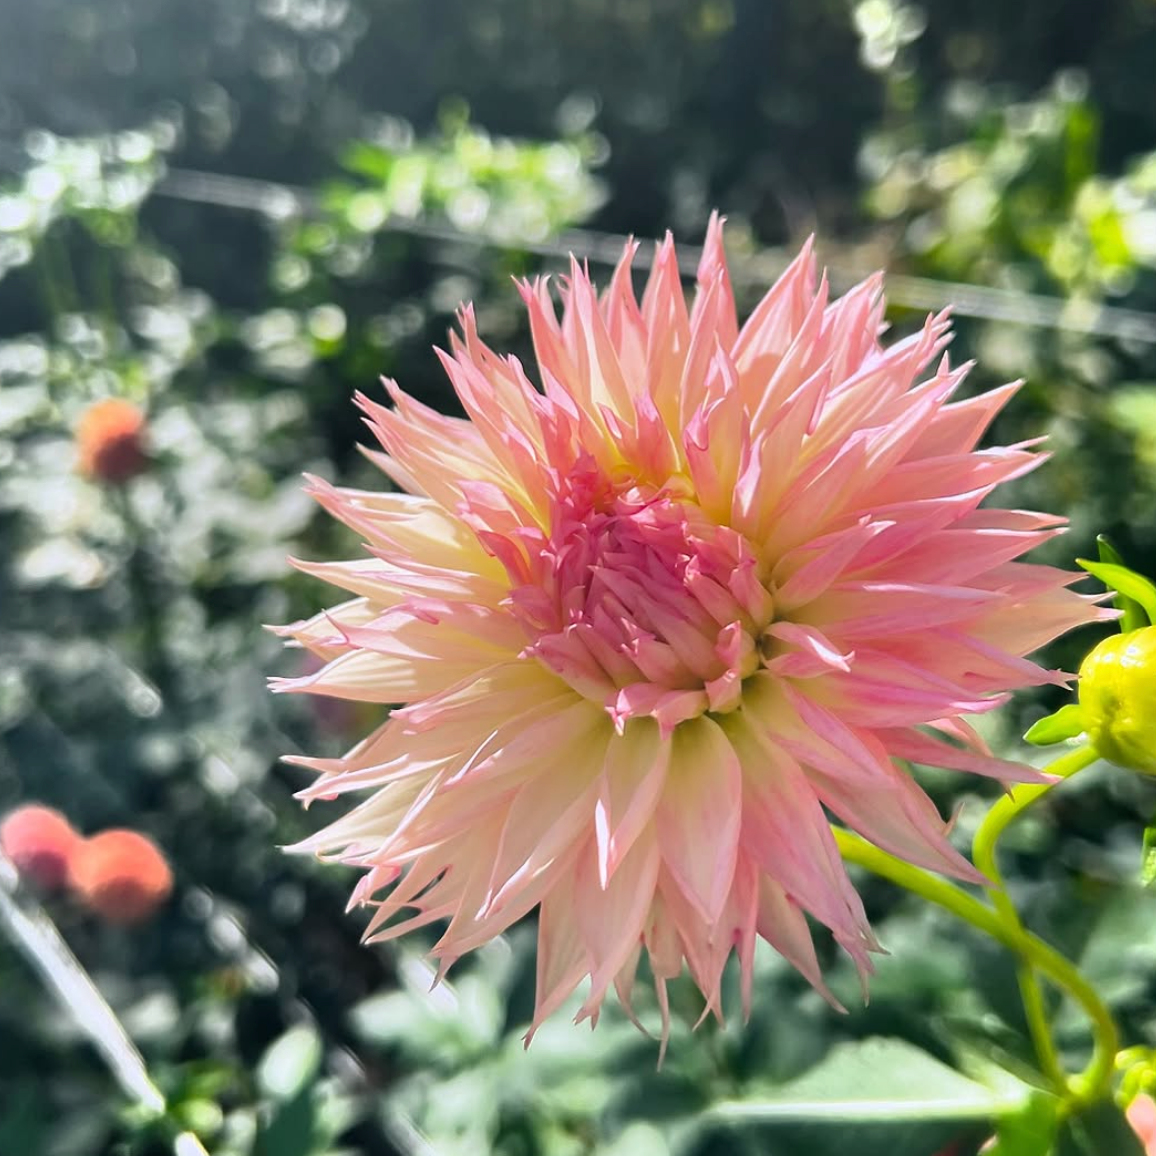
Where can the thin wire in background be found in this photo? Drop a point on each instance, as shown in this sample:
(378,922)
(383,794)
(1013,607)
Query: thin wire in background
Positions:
(281,202)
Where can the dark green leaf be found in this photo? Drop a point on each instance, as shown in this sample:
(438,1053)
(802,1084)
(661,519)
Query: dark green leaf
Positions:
(292,1131)
(1100,1130)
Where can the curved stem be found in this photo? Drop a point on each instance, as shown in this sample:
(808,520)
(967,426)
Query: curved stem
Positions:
(984,854)
(1085,1088)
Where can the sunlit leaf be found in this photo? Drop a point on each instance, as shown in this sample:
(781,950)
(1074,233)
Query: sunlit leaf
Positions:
(1133,613)
(1066,723)
(290,1063)
(1127,582)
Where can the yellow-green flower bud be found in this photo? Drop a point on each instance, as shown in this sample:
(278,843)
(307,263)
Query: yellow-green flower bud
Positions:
(1118,699)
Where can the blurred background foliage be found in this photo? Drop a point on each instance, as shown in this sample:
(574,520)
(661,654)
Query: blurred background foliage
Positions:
(233,214)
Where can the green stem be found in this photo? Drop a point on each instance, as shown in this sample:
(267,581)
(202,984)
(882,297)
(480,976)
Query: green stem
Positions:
(984,853)
(1093,1082)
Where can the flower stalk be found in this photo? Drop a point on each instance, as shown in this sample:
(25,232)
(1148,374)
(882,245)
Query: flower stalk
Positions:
(987,836)
(1002,923)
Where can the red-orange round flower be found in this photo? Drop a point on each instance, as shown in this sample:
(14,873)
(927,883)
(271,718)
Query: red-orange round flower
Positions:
(121,875)
(40,842)
(110,441)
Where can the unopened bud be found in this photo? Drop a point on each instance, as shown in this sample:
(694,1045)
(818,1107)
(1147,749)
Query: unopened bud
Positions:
(1118,699)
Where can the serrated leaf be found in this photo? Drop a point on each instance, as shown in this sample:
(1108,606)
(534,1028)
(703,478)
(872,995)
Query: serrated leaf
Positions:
(1126,582)
(1133,613)
(1066,723)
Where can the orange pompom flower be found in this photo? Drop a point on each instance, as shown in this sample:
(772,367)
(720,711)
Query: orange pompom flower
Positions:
(110,441)
(121,875)
(41,842)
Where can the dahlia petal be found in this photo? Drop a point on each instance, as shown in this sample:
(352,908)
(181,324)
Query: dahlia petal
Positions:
(434,631)
(783,925)
(699,813)
(908,743)
(624,985)
(712,269)
(474,932)
(432,451)
(852,325)
(824,741)
(598,378)
(704,943)
(632,782)
(803,356)
(668,325)
(624,322)
(808,571)
(514,750)
(883,376)
(959,426)
(862,610)
(470,705)
(767,332)
(900,819)
(947,476)
(406,526)
(366,577)
(321,635)
(548,814)
(612,916)
(959,553)
(883,691)
(562,956)
(786,834)
(759,486)
(369,676)
(815,655)
(812,502)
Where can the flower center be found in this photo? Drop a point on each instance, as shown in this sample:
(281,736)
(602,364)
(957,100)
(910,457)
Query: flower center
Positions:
(641,603)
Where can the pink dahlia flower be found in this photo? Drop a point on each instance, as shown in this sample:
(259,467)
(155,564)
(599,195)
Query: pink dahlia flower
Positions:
(660,614)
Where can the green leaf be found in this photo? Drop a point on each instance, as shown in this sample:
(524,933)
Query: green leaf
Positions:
(290,1063)
(1148,855)
(1127,582)
(1118,956)
(873,1096)
(1134,618)
(1066,723)
(1099,1131)
(1029,1132)
(292,1130)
